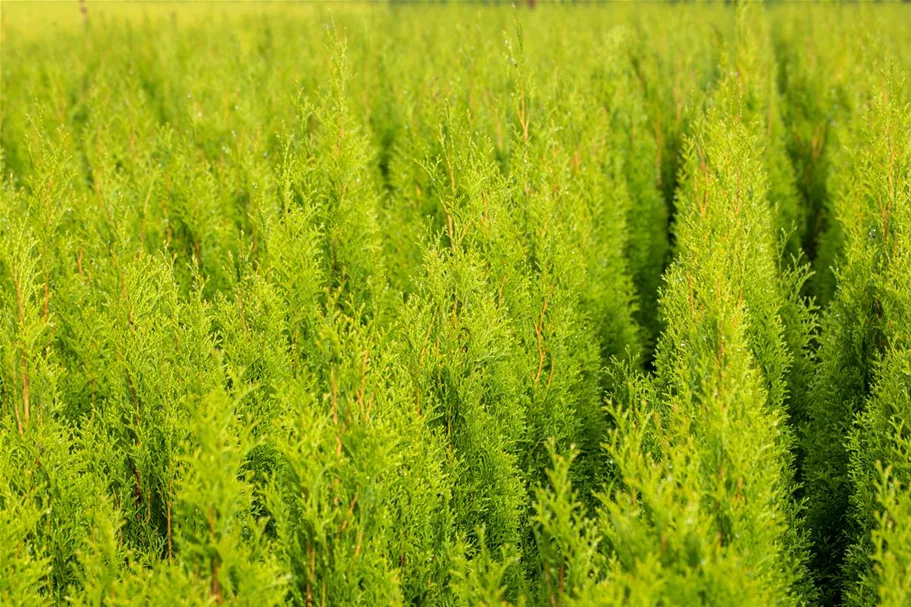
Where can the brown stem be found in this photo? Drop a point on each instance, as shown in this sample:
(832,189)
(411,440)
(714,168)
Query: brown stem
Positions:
(216,586)
(18,419)
(350,512)
(539,331)
(312,554)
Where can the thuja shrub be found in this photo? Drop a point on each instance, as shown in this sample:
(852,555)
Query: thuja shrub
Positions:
(637,153)
(468,374)
(878,447)
(857,328)
(878,561)
(816,81)
(577,193)
(754,62)
(695,515)
(822,80)
(340,455)
(676,69)
(452,305)
(758,105)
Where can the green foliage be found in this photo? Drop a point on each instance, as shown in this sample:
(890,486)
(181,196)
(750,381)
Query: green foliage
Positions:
(454,305)
(705,507)
(879,436)
(866,319)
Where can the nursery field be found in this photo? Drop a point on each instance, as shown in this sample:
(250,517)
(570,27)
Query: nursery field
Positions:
(368,304)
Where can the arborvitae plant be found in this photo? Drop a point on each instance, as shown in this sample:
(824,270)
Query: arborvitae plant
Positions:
(891,539)
(410,210)
(288,324)
(59,499)
(704,512)
(858,325)
(562,349)
(332,448)
(878,562)
(465,355)
(752,64)
(675,69)
(753,61)
(218,535)
(636,152)
(814,78)
(879,458)
(24,568)
(29,374)
(567,539)
(828,60)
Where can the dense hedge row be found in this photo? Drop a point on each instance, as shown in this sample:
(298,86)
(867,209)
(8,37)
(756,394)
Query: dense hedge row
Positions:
(455,306)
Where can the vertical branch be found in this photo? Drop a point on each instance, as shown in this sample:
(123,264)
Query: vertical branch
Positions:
(25,390)
(20,304)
